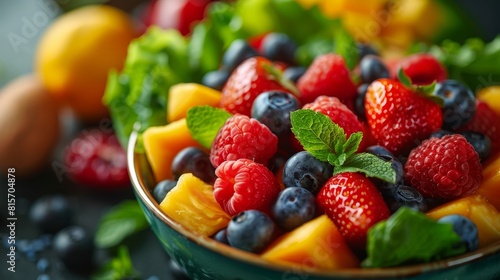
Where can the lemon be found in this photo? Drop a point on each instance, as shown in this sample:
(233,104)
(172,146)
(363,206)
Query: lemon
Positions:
(76,53)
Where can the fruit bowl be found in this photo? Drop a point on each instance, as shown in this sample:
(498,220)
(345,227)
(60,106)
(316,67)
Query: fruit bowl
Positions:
(204,258)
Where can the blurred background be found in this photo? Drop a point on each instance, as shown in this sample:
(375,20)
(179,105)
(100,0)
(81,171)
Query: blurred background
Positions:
(23,22)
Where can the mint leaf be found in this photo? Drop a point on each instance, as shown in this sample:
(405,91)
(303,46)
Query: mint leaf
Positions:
(204,122)
(119,267)
(326,141)
(352,144)
(317,133)
(370,165)
(120,222)
(409,236)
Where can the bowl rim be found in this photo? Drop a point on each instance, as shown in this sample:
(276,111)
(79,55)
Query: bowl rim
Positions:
(142,193)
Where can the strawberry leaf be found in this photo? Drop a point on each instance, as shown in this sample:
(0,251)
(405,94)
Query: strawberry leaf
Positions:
(277,75)
(404,79)
(317,134)
(204,122)
(370,165)
(426,91)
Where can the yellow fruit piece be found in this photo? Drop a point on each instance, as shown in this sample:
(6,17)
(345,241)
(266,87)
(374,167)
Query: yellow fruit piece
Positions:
(162,143)
(490,185)
(316,244)
(191,203)
(76,53)
(491,95)
(181,97)
(478,210)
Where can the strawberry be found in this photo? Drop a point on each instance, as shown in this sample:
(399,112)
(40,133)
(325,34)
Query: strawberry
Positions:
(487,122)
(252,77)
(338,113)
(423,69)
(445,168)
(244,184)
(243,137)
(354,204)
(327,75)
(399,117)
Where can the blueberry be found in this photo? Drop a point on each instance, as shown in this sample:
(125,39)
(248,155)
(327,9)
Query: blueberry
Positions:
(304,170)
(279,47)
(384,154)
(196,161)
(359,103)
(465,228)
(215,79)
(221,236)
(74,246)
(272,108)
(379,151)
(293,207)
(23,246)
(51,213)
(403,195)
(365,49)
(42,265)
(294,73)
(371,68)
(250,230)
(480,142)
(440,133)
(43,277)
(162,188)
(238,51)
(459,103)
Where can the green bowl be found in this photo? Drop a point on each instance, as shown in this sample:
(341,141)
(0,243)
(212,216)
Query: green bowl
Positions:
(203,258)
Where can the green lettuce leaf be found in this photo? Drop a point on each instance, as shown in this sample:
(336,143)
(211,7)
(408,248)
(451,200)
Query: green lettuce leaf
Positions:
(139,94)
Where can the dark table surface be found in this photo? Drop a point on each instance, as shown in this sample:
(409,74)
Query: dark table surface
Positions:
(147,255)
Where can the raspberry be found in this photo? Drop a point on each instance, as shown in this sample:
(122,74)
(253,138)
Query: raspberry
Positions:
(243,137)
(446,167)
(339,114)
(487,122)
(243,185)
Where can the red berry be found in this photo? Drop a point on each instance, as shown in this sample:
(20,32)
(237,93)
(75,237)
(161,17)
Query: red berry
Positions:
(327,75)
(244,184)
(252,77)
(354,204)
(445,168)
(243,137)
(338,113)
(487,122)
(96,159)
(398,117)
(423,69)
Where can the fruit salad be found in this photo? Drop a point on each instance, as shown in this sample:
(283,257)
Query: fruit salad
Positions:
(336,159)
